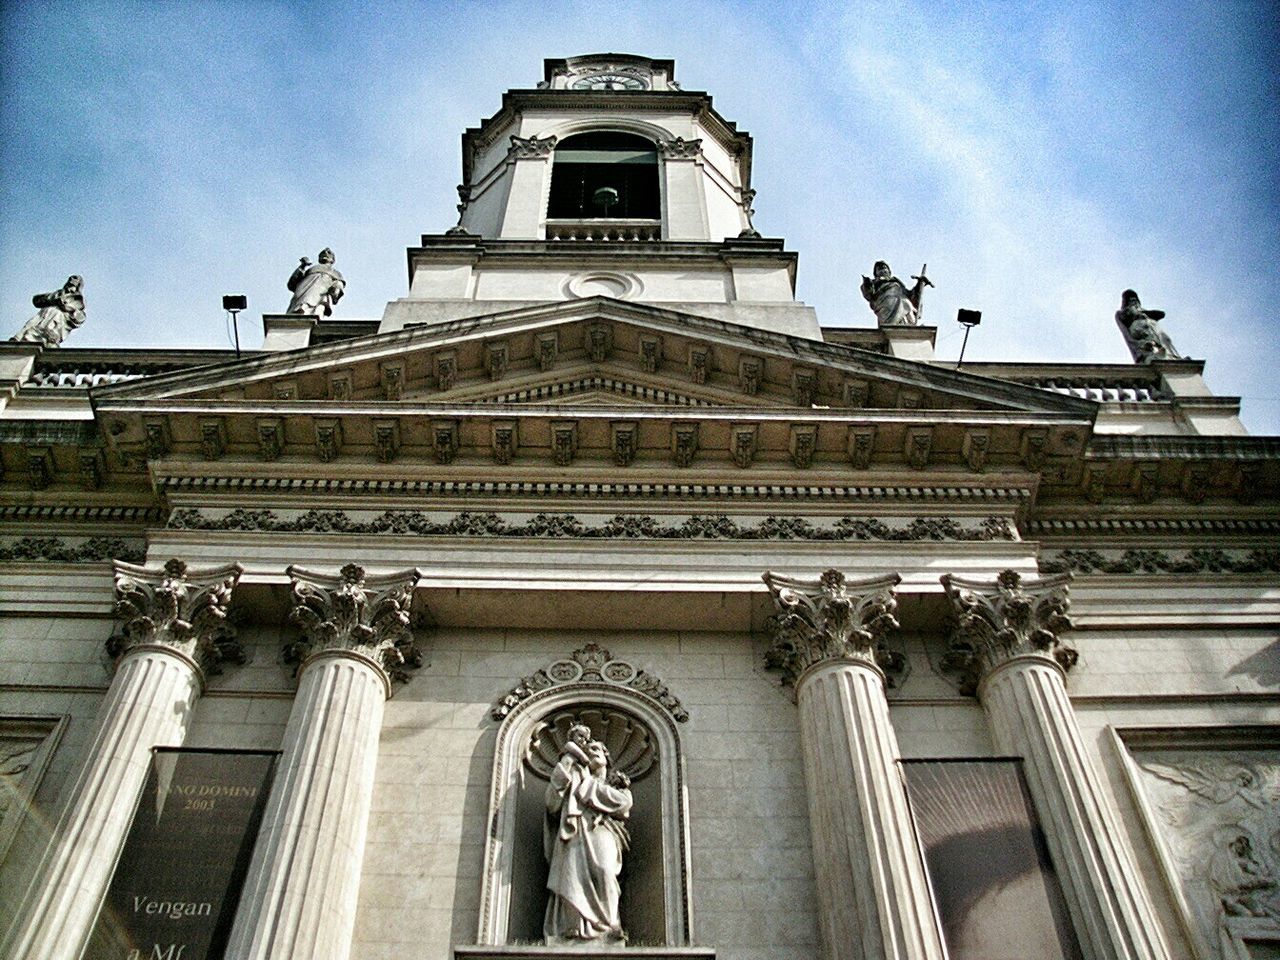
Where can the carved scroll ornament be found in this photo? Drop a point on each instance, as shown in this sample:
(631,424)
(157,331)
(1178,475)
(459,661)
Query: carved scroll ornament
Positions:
(591,663)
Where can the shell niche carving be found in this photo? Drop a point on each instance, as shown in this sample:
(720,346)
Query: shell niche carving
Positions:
(630,744)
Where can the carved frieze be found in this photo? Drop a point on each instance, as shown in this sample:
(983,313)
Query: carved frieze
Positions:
(619,526)
(504,438)
(742,439)
(444,440)
(591,663)
(680,149)
(495,359)
(624,438)
(57,550)
(446,369)
(598,341)
(803,444)
(1217,814)
(547,346)
(974,449)
(996,622)
(750,375)
(328,432)
(699,363)
(564,442)
(1128,562)
(392,381)
(270,438)
(684,443)
(531,148)
(353,611)
(386,440)
(176,607)
(39,467)
(650,353)
(832,618)
(213,437)
(861,443)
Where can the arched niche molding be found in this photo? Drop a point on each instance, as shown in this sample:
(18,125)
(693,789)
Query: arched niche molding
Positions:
(507,913)
(641,128)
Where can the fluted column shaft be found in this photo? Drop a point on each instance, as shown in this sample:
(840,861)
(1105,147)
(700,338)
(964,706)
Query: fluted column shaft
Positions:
(148,704)
(172,620)
(1031,717)
(1008,644)
(873,897)
(300,901)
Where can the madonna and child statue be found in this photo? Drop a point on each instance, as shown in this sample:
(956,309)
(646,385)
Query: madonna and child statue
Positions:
(584,838)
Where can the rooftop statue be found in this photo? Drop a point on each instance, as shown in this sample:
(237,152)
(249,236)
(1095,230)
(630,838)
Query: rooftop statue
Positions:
(894,305)
(1146,340)
(584,838)
(316,287)
(60,312)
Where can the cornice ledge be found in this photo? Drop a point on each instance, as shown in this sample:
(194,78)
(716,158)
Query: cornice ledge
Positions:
(1156,447)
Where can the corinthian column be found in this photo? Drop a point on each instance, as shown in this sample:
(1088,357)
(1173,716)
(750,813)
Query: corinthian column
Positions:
(1007,645)
(873,899)
(173,624)
(299,901)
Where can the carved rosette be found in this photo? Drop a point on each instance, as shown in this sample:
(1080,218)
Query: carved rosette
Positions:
(832,618)
(591,663)
(368,615)
(997,622)
(179,608)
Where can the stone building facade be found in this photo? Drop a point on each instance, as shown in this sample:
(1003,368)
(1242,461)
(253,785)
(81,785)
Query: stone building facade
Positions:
(902,660)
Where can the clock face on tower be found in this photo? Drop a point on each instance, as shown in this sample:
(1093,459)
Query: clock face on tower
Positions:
(608,81)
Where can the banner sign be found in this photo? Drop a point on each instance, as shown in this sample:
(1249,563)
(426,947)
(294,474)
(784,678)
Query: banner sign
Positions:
(994,886)
(177,882)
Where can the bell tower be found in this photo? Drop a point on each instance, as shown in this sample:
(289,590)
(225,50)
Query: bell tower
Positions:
(607,179)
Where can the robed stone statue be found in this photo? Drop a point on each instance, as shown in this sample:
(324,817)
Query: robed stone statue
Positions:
(584,838)
(60,312)
(1146,339)
(316,286)
(893,303)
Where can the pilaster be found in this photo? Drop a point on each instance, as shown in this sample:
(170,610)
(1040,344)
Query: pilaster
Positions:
(299,901)
(173,629)
(873,897)
(1007,645)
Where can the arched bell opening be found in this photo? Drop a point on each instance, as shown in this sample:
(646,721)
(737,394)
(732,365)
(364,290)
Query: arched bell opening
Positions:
(604,175)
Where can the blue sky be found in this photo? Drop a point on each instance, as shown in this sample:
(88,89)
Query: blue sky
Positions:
(1041,157)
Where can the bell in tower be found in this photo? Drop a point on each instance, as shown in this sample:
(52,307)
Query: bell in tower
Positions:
(607,179)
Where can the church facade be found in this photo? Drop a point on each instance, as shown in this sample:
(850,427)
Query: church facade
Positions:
(597,600)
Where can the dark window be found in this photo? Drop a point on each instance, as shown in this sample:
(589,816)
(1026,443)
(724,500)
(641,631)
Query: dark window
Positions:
(613,175)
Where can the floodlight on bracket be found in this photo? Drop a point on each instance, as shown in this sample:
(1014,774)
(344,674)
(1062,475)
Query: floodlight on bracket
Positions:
(233,304)
(967,319)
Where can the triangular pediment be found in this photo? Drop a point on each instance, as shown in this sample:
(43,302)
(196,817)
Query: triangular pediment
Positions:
(646,353)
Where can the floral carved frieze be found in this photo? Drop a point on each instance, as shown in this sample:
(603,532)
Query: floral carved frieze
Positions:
(616,527)
(591,663)
(996,622)
(1218,816)
(58,550)
(177,607)
(832,618)
(1203,560)
(357,612)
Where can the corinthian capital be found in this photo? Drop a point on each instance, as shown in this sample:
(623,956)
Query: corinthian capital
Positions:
(996,622)
(177,607)
(351,611)
(832,618)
